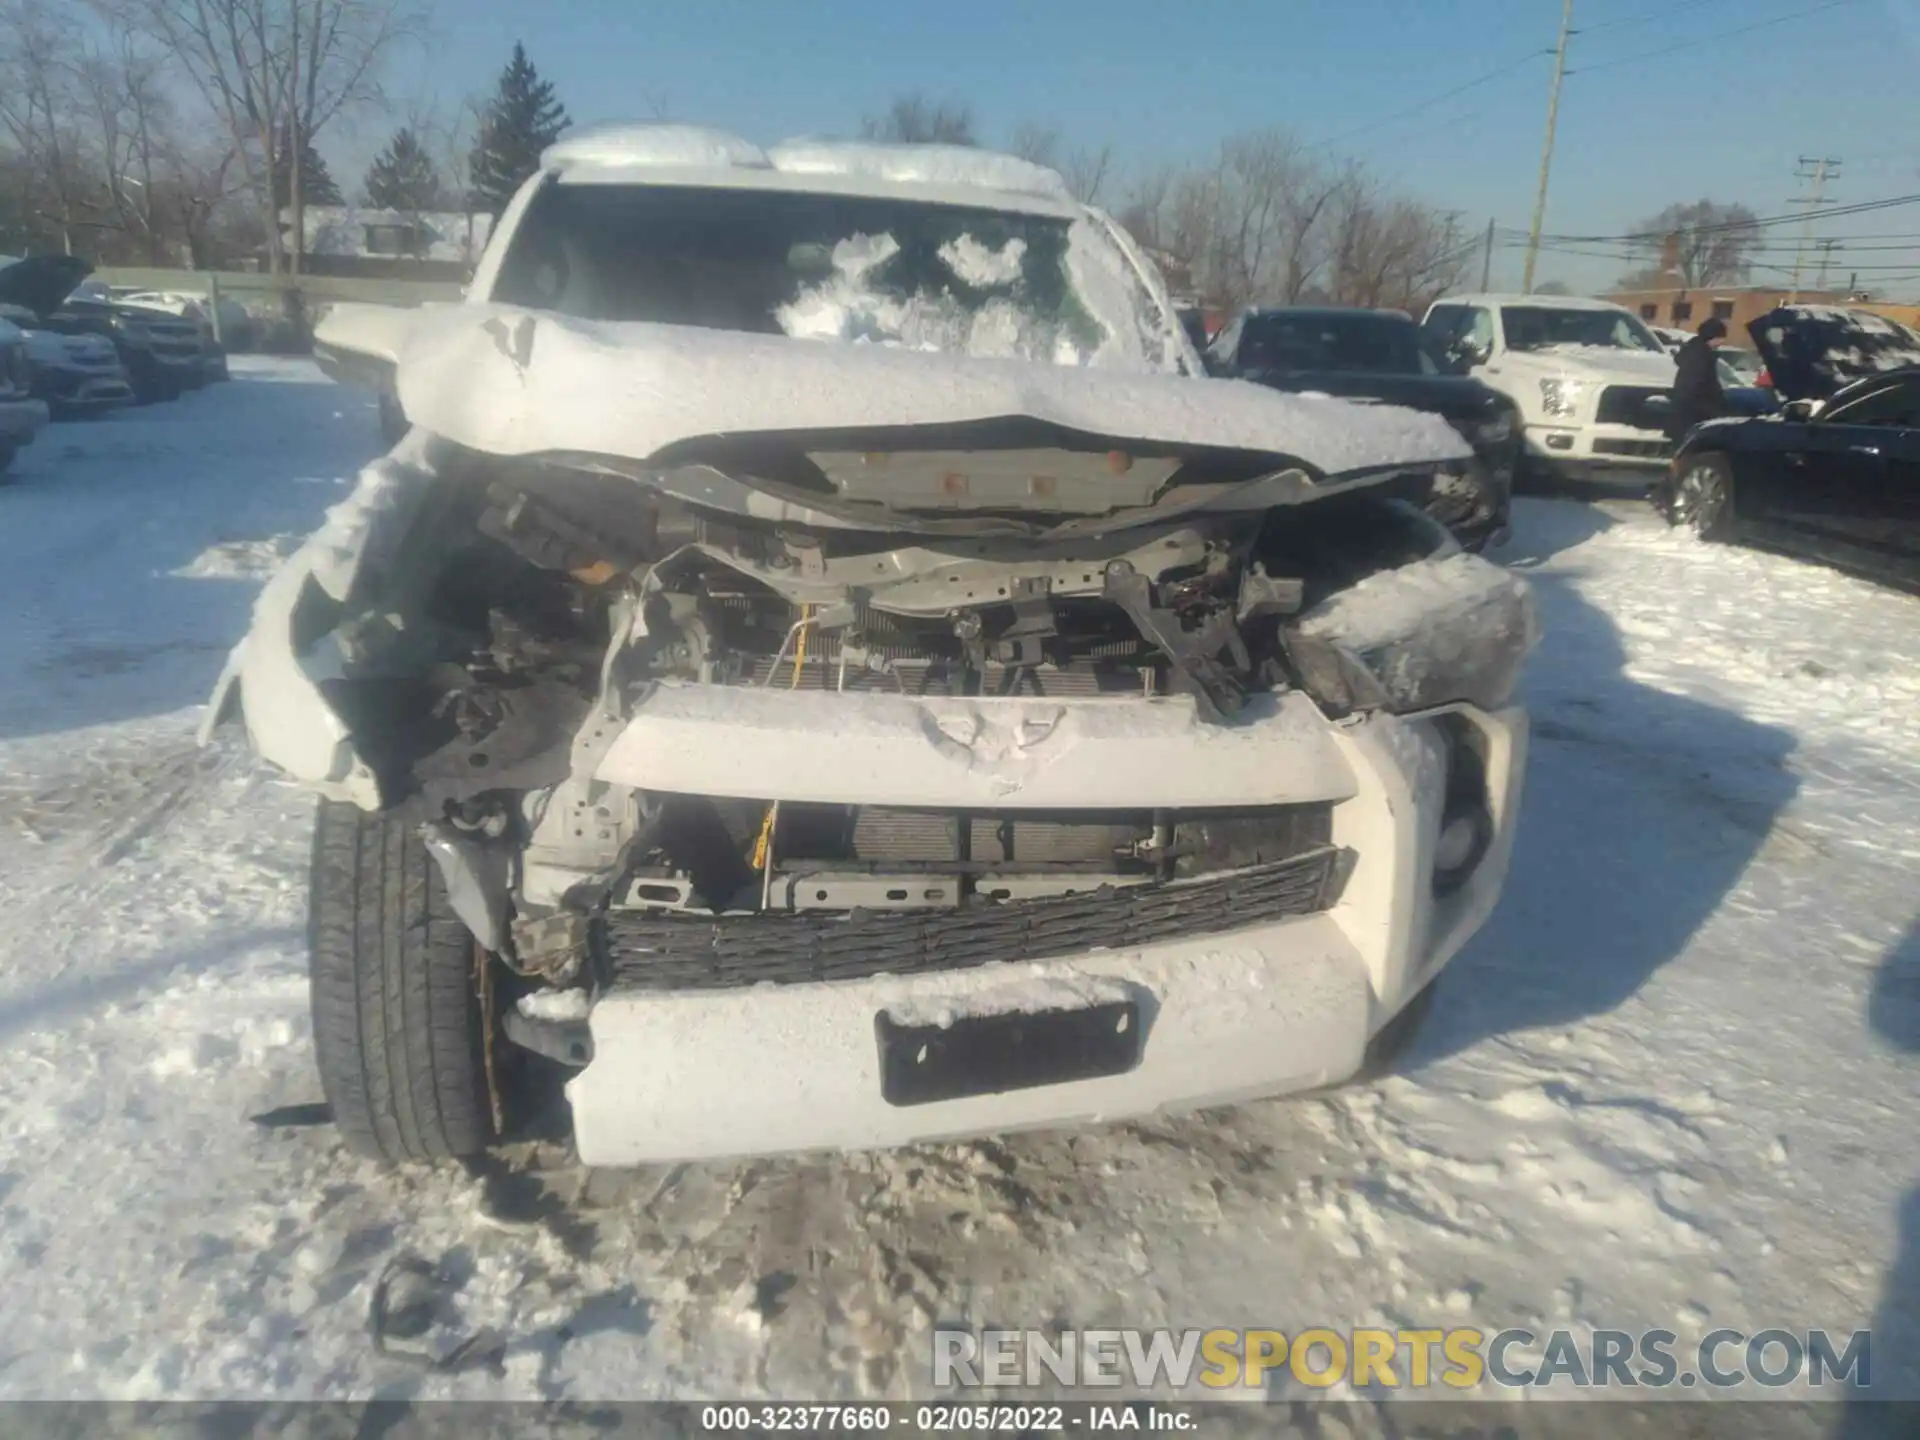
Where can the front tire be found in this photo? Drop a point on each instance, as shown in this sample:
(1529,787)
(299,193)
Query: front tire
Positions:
(1703,497)
(397,1013)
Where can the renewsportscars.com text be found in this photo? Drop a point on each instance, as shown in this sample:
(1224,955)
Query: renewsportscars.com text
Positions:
(1458,1358)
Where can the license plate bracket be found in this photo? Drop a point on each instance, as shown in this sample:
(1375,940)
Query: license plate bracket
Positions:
(1018,1050)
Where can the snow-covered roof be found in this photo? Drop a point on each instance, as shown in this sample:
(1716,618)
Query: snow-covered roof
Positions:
(1544,302)
(668,154)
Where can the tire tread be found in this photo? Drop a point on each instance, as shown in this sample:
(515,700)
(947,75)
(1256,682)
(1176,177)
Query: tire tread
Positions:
(396,1021)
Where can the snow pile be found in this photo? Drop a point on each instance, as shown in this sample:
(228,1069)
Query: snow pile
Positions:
(977,265)
(239,559)
(854,306)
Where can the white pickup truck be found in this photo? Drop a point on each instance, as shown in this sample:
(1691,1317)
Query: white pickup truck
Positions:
(1591,380)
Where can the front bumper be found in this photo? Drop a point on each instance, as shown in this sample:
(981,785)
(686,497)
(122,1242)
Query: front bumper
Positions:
(1225,1016)
(1597,453)
(20,421)
(82,390)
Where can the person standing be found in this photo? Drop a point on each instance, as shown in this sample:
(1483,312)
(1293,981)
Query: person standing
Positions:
(1696,393)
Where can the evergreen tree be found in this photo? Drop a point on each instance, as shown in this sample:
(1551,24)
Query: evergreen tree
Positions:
(316,185)
(402,177)
(521,120)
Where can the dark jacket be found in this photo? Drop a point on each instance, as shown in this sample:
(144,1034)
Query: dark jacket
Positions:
(1696,388)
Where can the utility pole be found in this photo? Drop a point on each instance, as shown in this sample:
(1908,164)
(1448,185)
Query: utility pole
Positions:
(1546,149)
(1827,248)
(1486,261)
(1818,172)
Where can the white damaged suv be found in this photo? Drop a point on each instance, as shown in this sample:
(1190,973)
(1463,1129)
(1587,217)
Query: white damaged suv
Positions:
(824,669)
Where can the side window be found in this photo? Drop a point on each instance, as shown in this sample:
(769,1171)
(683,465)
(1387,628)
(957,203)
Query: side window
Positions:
(1649,312)
(1723,309)
(1682,310)
(1897,405)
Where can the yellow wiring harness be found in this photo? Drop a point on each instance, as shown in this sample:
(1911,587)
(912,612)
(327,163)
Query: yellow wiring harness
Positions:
(765,837)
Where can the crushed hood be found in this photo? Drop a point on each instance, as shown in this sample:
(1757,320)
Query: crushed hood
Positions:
(510,381)
(1814,350)
(42,283)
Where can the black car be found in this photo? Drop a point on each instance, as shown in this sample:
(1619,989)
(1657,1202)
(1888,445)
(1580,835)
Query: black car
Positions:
(1382,355)
(1836,474)
(162,354)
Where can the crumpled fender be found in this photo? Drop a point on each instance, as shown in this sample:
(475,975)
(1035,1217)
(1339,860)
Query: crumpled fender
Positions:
(273,676)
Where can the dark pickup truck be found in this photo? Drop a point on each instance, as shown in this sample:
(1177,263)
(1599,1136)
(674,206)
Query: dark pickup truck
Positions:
(1382,356)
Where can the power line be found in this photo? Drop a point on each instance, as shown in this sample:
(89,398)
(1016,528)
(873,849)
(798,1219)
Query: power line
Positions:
(1644,16)
(1864,207)
(1440,99)
(1710,39)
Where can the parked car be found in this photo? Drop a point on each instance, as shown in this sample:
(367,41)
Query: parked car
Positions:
(21,416)
(162,355)
(1591,381)
(865,689)
(74,376)
(1672,339)
(1836,475)
(235,330)
(1383,356)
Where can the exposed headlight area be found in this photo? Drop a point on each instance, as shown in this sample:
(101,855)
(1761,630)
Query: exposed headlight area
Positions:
(1417,638)
(1561,397)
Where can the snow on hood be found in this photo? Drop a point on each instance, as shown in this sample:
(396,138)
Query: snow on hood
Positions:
(1605,362)
(511,381)
(1813,350)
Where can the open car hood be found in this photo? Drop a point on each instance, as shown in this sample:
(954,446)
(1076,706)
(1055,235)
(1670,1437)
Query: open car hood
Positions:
(517,382)
(1814,350)
(42,283)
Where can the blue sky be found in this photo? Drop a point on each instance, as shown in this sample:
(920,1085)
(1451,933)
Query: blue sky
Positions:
(1722,117)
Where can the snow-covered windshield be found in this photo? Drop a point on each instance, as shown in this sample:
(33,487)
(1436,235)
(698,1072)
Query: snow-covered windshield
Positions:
(1535,327)
(849,268)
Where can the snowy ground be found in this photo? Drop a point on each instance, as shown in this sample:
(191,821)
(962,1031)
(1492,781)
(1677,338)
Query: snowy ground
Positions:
(1675,1083)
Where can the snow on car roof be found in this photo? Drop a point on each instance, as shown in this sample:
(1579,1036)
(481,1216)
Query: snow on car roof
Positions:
(661,153)
(1545,302)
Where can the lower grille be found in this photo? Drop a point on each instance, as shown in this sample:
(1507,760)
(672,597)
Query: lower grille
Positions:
(1640,449)
(661,951)
(1642,406)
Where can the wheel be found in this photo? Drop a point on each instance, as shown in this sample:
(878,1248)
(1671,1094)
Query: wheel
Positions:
(397,1008)
(1703,496)
(1386,1048)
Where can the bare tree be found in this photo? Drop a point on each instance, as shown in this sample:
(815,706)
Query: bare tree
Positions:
(1085,171)
(1700,244)
(1035,142)
(913,119)
(40,61)
(1269,222)
(277,71)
